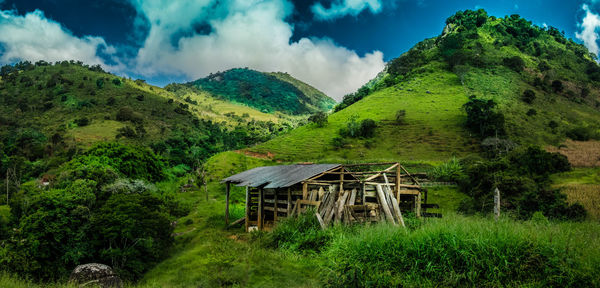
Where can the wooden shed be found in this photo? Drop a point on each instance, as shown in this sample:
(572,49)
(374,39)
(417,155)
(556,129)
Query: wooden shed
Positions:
(338,193)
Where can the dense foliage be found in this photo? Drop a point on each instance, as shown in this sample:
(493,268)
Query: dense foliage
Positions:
(522,177)
(262,91)
(92,212)
(482,118)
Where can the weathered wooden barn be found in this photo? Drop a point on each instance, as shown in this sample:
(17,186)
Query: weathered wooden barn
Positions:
(338,193)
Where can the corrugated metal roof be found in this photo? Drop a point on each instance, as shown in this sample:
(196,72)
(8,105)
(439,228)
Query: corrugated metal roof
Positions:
(278,176)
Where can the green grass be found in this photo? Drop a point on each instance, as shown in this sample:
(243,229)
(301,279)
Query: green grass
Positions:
(577,176)
(432,131)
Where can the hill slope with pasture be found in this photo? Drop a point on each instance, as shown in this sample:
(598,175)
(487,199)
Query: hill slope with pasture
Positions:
(544,88)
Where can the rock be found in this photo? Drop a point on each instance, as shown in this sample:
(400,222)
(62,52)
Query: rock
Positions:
(93,275)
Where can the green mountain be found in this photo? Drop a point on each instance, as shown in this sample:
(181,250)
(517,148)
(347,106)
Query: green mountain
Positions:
(51,112)
(267,92)
(544,88)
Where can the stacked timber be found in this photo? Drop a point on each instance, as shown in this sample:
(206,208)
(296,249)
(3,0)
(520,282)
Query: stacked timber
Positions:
(342,207)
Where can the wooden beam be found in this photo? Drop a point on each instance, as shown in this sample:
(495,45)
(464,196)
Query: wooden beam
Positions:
(418,205)
(275,211)
(368,164)
(398,182)
(289,201)
(236,222)
(227,203)
(260,209)
(411,177)
(267,208)
(326,172)
(384,204)
(320,221)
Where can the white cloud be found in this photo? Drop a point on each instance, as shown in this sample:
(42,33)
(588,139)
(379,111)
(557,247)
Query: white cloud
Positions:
(247,33)
(244,33)
(341,8)
(589,25)
(33,37)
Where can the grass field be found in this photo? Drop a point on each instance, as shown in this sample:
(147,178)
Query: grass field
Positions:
(432,129)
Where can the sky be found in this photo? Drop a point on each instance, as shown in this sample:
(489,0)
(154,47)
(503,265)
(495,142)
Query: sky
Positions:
(334,45)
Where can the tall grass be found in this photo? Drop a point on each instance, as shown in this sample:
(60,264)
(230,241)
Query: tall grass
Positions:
(587,195)
(461,251)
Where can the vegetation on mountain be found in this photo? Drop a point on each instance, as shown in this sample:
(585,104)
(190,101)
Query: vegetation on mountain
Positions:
(264,91)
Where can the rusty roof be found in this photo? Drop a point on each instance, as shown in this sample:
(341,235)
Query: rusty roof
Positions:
(280,176)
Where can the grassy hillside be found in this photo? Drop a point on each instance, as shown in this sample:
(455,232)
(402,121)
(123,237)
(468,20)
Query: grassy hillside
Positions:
(477,56)
(267,92)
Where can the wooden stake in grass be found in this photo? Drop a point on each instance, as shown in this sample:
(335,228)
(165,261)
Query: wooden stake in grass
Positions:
(496,203)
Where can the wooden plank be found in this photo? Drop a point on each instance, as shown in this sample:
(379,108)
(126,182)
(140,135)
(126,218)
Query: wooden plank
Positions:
(326,172)
(340,207)
(247,206)
(227,203)
(304,190)
(384,205)
(411,177)
(352,199)
(369,164)
(410,186)
(267,208)
(409,192)
(321,222)
(272,201)
(398,182)
(377,183)
(321,193)
(236,222)
(260,208)
(397,211)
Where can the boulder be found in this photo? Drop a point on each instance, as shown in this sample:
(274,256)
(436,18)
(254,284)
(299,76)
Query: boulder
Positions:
(94,275)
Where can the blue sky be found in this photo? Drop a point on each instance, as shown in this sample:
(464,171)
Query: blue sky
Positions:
(334,45)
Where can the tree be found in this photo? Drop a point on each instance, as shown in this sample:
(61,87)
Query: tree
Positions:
(515,63)
(528,96)
(133,232)
(320,119)
(482,119)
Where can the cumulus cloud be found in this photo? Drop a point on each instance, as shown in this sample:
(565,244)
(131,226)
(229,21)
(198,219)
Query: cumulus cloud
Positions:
(33,37)
(588,26)
(341,8)
(190,39)
(246,33)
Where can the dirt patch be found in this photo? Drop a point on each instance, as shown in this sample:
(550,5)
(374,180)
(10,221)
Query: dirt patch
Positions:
(580,153)
(265,156)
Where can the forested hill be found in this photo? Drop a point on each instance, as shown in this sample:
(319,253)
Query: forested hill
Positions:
(267,92)
(50,112)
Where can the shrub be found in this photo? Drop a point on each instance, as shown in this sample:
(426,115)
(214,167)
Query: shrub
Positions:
(450,171)
(557,86)
(140,97)
(515,63)
(531,112)
(581,133)
(320,119)
(127,114)
(100,83)
(528,96)
(116,81)
(338,142)
(111,101)
(400,116)
(367,128)
(482,119)
(82,122)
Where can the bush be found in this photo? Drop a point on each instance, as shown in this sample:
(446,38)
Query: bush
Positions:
(82,122)
(127,114)
(557,86)
(582,133)
(338,143)
(320,119)
(450,171)
(367,128)
(531,112)
(528,96)
(400,117)
(482,119)
(515,63)
(116,81)
(100,83)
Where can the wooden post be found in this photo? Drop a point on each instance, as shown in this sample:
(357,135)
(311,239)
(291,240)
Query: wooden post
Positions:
(398,182)
(260,208)
(496,203)
(384,204)
(275,206)
(418,205)
(342,182)
(289,200)
(227,203)
(304,190)
(247,207)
